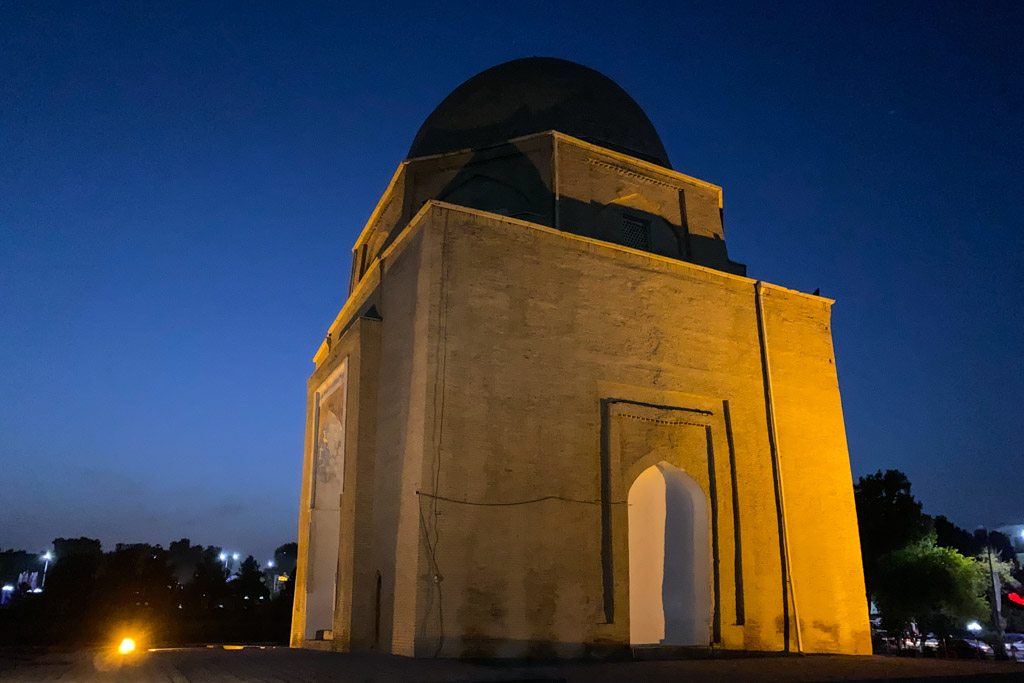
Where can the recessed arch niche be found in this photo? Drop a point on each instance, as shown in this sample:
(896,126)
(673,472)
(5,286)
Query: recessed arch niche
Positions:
(669,559)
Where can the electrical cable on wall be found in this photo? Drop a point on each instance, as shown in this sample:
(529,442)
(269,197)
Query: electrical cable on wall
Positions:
(430,526)
(519,502)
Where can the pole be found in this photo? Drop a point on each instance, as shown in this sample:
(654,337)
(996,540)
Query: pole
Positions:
(997,612)
(777,466)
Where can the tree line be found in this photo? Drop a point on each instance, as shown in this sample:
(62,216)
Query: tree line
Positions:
(181,594)
(918,570)
(926,571)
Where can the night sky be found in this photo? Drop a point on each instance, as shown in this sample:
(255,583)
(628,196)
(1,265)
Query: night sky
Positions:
(181,184)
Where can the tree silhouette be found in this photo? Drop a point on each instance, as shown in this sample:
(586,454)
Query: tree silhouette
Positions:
(999,542)
(175,596)
(286,557)
(949,535)
(938,588)
(71,580)
(184,558)
(208,587)
(889,518)
(138,575)
(247,585)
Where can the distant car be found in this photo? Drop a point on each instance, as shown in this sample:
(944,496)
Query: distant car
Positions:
(968,648)
(883,643)
(1014,644)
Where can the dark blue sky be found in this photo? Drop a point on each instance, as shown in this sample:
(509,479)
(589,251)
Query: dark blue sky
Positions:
(180,186)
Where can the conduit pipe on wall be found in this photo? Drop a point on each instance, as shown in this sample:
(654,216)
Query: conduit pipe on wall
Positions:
(776,463)
(556,202)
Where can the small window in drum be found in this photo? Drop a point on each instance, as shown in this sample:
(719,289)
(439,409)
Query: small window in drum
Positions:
(635,233)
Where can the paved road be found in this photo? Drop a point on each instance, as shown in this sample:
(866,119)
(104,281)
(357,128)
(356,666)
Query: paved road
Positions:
(281,665)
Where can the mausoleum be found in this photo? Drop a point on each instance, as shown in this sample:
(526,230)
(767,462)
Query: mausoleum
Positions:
(554,417)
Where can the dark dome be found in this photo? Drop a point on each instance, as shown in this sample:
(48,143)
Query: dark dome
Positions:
(534,95)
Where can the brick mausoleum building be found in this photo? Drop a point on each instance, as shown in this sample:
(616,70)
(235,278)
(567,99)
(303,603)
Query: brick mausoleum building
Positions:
(553,416)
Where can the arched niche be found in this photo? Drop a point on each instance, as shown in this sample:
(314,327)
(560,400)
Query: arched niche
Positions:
(669,559)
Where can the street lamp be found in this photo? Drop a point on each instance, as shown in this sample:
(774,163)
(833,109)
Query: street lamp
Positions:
(223,557)
(974,627)
(47,556)
(997,611)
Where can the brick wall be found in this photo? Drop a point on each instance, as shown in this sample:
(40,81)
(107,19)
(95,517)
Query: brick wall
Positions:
(500,455)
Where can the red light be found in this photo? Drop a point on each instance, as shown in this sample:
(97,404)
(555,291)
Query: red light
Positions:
(1016,598)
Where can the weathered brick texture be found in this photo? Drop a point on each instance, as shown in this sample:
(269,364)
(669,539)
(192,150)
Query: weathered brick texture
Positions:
(521,377)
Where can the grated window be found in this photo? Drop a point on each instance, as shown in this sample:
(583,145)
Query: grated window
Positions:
(634,233)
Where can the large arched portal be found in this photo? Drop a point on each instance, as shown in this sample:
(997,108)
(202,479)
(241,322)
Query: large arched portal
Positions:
(669,559)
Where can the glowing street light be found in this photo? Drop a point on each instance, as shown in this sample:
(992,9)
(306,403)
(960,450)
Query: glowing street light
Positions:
(127,645)
(974,627)
(235,557)
(270,563)
(47,556)
(223,557)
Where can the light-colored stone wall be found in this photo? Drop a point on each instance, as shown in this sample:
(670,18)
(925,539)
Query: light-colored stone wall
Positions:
(355,612)
(511,178)
(828,580)
(597,187)
(539,327)
(399,448)
(526,376)
(385,433)
(514,179)
(555,180)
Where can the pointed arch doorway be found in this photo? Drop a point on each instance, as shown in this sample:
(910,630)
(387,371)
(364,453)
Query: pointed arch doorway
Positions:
(669,559)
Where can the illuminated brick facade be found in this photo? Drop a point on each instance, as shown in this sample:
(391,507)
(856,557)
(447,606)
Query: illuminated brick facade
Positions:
(531,327)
